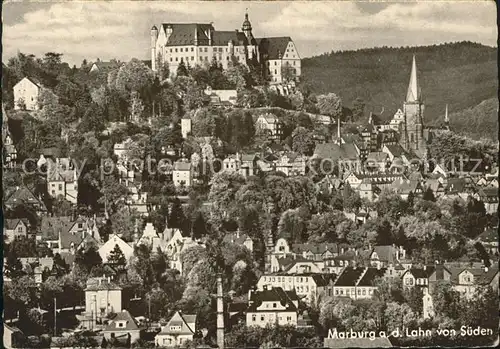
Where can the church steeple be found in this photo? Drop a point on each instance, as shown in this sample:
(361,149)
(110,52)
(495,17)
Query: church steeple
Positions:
(247,27)
(446,119)
(413,94)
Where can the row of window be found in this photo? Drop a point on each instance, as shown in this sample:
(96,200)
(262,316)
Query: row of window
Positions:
(202,49)
(350,291)
(276,63)
(263,318)
(202,58)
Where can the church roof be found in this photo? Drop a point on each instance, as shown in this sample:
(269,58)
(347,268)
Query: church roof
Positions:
(221,38)
(413,94)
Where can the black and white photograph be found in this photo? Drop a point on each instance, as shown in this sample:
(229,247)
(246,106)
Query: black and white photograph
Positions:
(250,174)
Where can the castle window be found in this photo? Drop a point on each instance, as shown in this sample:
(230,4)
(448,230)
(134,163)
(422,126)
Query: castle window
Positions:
(192,49)
(206,49)
(176,59)
(175,50)
(192,58)
(170,59)
(170,50)
(181,49)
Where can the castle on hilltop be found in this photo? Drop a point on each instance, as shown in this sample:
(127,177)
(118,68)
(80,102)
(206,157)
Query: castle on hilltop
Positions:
(200,44)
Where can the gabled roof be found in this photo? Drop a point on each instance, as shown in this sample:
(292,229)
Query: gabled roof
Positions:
(349,276)
(396,150)
(221,38)
(336,152)
(23,195)
(185,321)
(421,273)
(273,294)
(386,253)
(52,226)
(11,224)
(270,118)
(182,166)
(371,275)
(377,156)
(273,48)
(124,315)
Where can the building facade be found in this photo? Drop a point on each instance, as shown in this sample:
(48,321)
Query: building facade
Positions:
(200,44)
(26,94)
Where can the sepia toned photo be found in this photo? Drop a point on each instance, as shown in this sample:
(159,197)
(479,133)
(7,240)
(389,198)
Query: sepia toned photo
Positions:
(250,174)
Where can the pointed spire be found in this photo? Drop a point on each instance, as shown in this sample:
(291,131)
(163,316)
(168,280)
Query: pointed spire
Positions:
(413,94)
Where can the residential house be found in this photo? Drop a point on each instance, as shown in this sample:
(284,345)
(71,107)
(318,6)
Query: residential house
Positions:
(269,123)
(62,179)
(418,277)
(102,297)
(369,135)
(26,94)
(337,263)
(292,164)
(356,282)
(24,196)
(151,238)
(489,240)
(468,280)
(307,286)
(404,187)
(232,163)
(379,180)
(179,330)
(436,186)
(399,158)
(14,228)
(12,337)
(182,174)
(271,306)
(103,67)
(489,196)
(175,246)
(108,246)
(123,328)
(121,150)
(440,273)
(385,255)
(367,190)
(248,166)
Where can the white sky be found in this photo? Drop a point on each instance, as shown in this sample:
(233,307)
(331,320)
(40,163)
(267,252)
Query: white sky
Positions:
(119,29)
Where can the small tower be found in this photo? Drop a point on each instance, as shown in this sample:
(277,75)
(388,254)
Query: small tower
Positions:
(446,119)
(154,37)
(247,28)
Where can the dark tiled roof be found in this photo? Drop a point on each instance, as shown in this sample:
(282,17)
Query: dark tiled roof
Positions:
(370,276)
(11,224)
(52,226)
(396,150)
(221,38)
(315,248)
(124,315)
(489,235)
(274,294)
(182,166)
(273,47)
(24,196)
(386,253)
(349,276)
(420,273)
(184,33)
(336,152)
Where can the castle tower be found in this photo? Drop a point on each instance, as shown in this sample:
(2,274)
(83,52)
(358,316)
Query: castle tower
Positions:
(412,137)
(154,37)
(247,29)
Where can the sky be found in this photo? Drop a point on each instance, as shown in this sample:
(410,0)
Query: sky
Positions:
(121,29)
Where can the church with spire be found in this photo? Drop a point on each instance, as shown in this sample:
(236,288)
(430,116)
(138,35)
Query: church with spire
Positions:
(409,122)
(200,44)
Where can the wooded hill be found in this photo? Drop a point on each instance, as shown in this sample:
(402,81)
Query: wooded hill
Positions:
(462,75)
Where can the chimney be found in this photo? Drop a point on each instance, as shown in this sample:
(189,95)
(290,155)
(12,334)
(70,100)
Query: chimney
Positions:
(220,314)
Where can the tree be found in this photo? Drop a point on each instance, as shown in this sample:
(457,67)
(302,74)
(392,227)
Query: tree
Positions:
(323,227)
(116,257)
(181,69)
(133,76)
(292,226)
(429,195)
(136,107)
(358,109)
(176,217)
(13,266)
(198,229)
(302,141)
(330,104)
(398,316)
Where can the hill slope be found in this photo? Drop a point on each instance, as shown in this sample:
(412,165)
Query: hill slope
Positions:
(461,75)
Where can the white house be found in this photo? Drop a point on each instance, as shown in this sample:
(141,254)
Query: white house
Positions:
(26,93)
(62,179)
(105,250)
(269,123)
(185,127)
(102,297)
(178,331)
(272,306)
(182,174)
